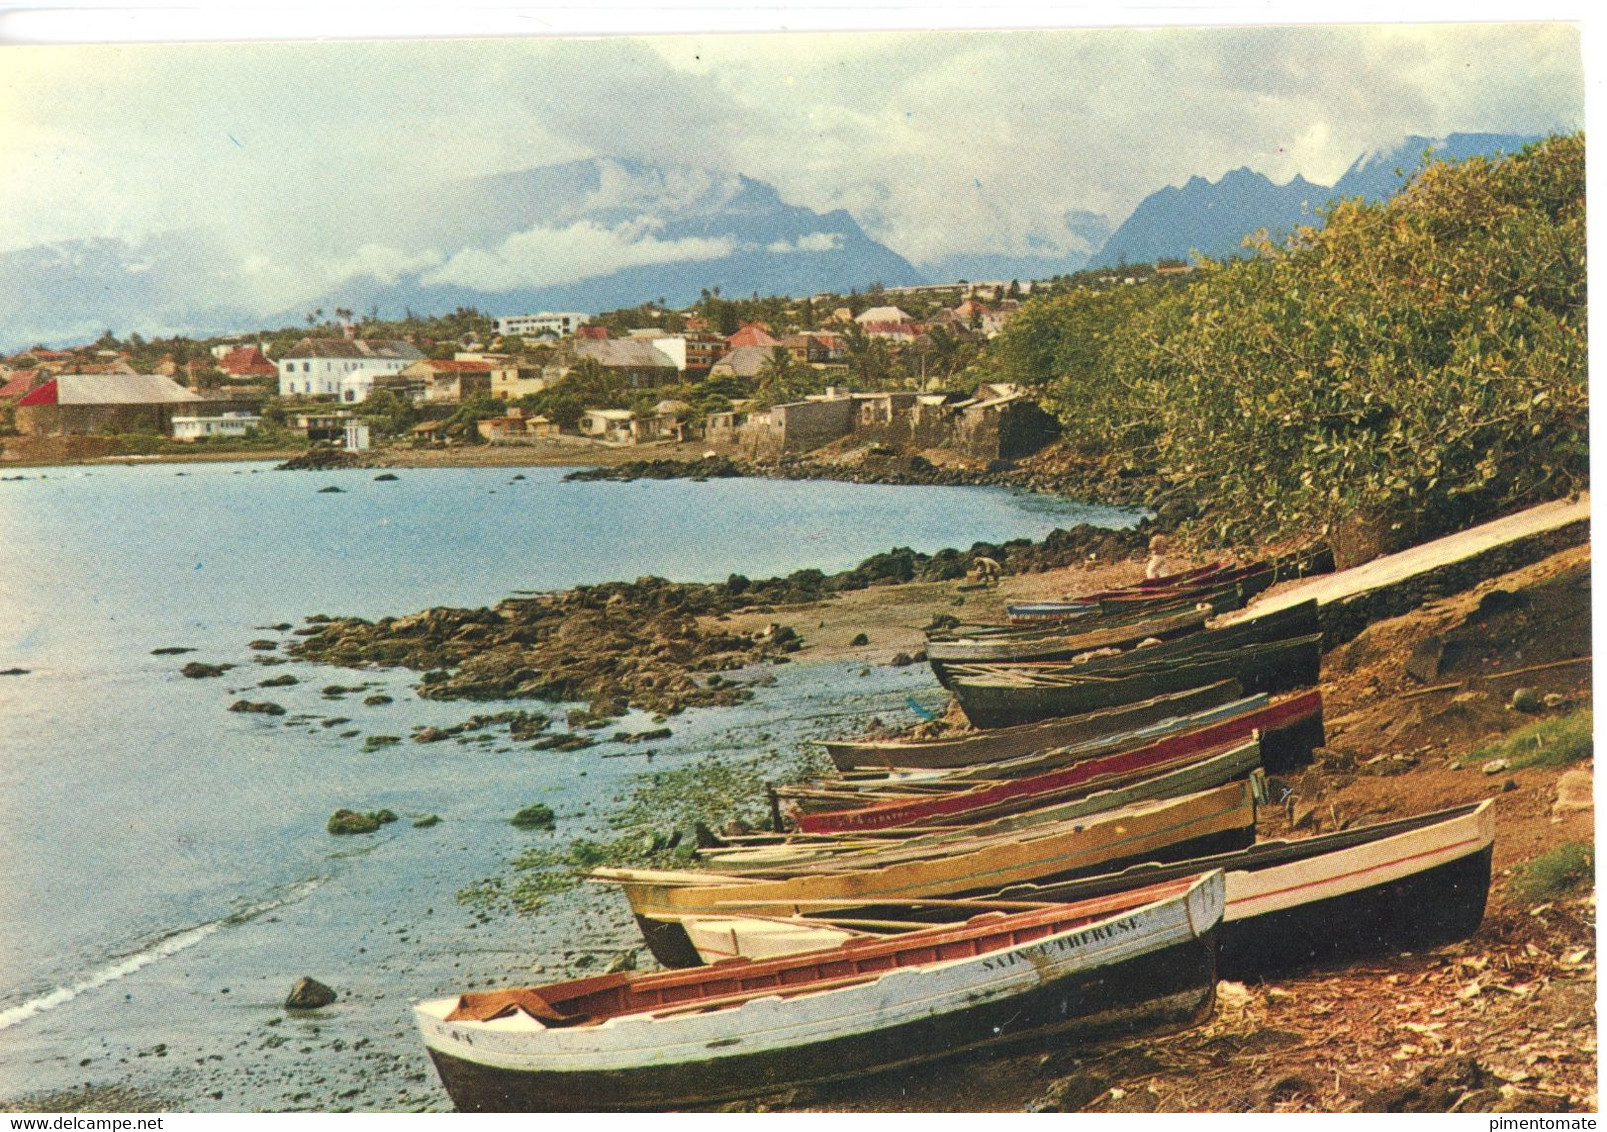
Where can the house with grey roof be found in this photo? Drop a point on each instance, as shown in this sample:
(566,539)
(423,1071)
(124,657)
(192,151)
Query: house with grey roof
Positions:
(85,403)
(315,367)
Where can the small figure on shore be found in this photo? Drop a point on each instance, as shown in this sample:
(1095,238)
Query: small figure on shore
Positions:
(988,570)
(1156,566)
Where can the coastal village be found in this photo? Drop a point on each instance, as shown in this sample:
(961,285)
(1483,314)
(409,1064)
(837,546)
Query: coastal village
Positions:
(1274,795)
(762,392)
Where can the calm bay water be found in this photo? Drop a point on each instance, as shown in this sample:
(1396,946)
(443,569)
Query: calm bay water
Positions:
(166,873)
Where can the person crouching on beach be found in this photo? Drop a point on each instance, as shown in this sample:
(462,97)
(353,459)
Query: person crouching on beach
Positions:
(1156,566)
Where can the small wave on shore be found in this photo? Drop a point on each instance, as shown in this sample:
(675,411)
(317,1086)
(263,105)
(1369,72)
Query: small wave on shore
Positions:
(167,945)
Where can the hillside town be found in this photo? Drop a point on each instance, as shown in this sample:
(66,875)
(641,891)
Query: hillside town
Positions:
(760,379)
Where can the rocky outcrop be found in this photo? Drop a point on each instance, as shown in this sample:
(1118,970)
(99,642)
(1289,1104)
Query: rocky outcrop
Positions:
(263,708)
(324,459)
(350,821)
(640,644)
(195,670)
(707,468)
(309,994)
(612,647)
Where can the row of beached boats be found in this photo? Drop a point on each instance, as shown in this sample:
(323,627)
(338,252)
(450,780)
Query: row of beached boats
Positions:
(1083,873)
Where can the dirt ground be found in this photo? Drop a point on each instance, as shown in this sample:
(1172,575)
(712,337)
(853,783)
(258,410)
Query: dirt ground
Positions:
(1503,1021)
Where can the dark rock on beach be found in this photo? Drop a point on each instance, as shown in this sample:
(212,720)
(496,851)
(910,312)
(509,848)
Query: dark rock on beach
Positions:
(624,645)
(264,708)
(13,671)
(350,821)
(171,651)
(322,460)
(709,467)
(309,994)
(195,670)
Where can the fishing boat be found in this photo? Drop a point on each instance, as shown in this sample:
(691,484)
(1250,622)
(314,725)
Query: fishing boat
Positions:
(1105,968)
(1298,620)
(1057,645)
(1010,742)
(1244,581)
(1409,883)
(762,855)
(1209,821)
(1290,725)
(979,800)
(1003,695)
(1026,612)
(1293,739)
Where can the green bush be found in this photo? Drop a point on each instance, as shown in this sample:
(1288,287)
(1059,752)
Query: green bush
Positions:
(1550,742)
(1422,357)
(1555,873)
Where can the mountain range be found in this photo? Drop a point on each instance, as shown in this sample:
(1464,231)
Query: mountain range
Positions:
(1212,218)
(592,235)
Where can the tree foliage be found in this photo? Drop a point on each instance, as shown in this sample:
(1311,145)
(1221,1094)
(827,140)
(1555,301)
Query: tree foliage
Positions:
(1420,360)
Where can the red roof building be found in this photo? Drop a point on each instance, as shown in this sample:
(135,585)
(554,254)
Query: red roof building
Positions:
(21,384)
(752,335)
(247,361)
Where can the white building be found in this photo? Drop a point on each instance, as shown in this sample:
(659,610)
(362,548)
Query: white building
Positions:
(317,366)
(552,324)
(191,429)
(673,347)
(356,436)
(356,387)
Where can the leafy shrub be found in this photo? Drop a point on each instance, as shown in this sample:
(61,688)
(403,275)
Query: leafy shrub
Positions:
(1555,873)
(1550,742)
(1421,358)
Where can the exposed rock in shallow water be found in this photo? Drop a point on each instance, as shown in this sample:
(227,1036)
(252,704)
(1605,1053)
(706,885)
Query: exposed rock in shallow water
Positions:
(309,994)
(350,821)
(625,645)
(171,650)
(323,459)
(264,708)
(195,670)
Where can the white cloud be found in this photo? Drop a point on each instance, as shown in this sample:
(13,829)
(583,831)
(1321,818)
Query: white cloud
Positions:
(385,264)
(813,242)
(295,156)
(543,257)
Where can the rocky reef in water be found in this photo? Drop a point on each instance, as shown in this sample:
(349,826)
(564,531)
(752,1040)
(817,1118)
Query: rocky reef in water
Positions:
(640,644)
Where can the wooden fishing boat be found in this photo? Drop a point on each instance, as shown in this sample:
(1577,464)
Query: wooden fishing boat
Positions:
(761,856)
(1210,821)
(1291,727)
(1059,645)
(1009,742)
(1092,770)
(1409,883)
(861,786)
(1003,695)
(1292,621)
(1106,968)
(1247,580)
(1026,612)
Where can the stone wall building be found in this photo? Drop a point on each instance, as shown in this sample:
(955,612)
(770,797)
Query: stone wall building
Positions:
(84,404)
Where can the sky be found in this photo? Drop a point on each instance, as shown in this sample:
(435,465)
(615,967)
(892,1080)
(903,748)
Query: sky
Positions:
(939,144)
